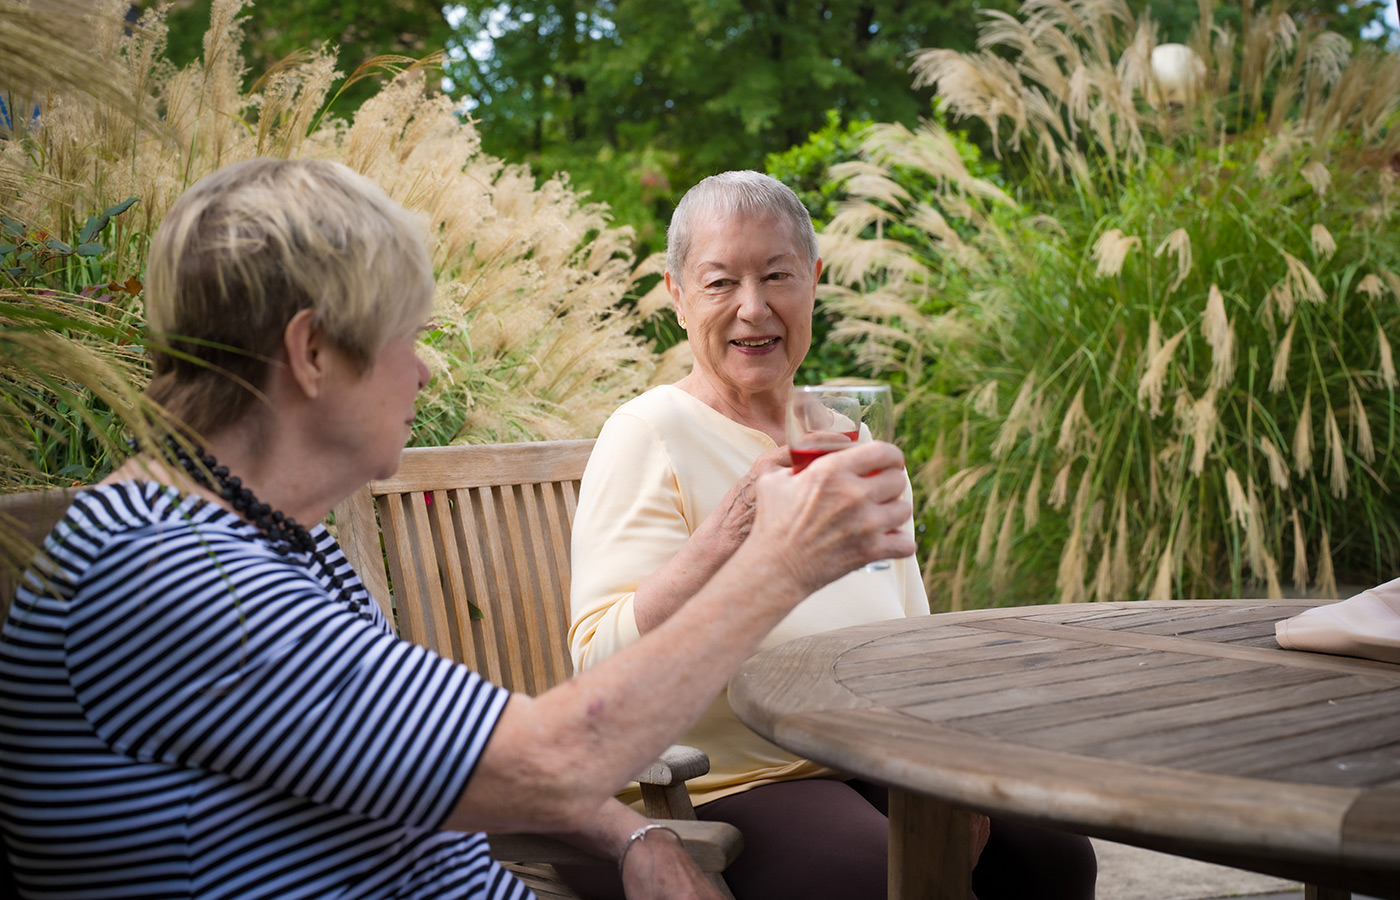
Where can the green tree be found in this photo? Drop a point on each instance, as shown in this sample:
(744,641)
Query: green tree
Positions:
(665,93)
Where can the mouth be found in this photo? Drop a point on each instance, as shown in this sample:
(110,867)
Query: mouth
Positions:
(754,343)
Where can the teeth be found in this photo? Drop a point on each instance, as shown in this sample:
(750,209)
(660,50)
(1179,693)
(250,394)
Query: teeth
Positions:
(753,343)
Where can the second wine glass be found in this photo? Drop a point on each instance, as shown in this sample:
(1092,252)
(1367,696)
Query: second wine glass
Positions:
(825,418)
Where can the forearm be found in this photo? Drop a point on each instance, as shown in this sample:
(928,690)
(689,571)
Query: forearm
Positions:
(607,833)
(661,593)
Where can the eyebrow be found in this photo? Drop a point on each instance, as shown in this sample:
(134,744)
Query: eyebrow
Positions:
(719,265)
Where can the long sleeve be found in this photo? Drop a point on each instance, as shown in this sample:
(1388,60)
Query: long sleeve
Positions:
(630,521)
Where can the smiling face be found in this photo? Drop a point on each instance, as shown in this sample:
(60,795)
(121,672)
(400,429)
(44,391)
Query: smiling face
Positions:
(746,296)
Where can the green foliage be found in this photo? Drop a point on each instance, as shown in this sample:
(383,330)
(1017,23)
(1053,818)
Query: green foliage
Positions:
(805,168)
(701,85)
(66,387)
(29,254)
(1163,367)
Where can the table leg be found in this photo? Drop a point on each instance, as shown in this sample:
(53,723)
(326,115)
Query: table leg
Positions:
(1317,892)
(930,848)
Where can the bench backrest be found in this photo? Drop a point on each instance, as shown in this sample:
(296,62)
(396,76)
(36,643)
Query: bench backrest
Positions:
(475,553)
(26,518)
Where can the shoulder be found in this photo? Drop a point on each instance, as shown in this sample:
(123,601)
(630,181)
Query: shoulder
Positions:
(134,511)
(663,411)
(133,538)
(107,515)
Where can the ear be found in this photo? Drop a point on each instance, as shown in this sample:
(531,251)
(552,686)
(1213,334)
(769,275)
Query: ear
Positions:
(675,291)
(817,273)
(308,359)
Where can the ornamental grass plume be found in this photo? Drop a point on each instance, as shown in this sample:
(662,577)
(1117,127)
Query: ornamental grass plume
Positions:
(1166,386)
(532,338)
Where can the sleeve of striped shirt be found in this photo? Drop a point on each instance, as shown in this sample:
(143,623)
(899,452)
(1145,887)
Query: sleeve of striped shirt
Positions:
(194,647)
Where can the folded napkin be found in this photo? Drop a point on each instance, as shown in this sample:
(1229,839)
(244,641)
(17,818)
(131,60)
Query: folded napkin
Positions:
(1367,625)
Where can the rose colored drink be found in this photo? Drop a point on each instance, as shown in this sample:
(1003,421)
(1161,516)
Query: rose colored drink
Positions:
(802,457)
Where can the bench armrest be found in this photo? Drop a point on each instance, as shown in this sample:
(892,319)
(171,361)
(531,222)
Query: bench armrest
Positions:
(713,846)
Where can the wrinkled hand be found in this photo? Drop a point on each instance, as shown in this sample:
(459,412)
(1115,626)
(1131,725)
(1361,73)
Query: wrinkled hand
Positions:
(735,513)
(843,511)
(658,868)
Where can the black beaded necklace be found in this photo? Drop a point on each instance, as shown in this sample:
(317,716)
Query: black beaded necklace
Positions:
(282,532)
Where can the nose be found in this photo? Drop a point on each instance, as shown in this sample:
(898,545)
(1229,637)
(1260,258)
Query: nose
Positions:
(753,305)
(424,373)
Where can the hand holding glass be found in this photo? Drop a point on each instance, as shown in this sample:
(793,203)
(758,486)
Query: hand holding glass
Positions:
(826,418)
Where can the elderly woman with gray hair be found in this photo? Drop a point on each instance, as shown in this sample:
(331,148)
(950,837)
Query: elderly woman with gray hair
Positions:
(668,500)
(198,698)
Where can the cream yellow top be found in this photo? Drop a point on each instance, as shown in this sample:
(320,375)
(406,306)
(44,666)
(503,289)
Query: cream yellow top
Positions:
(662,463)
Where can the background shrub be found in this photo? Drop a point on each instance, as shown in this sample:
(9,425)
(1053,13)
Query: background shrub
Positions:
(1157,362)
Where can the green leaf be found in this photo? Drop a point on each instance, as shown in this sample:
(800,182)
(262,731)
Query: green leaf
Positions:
(90,248)
(8,248)
(91,228)
(58,246)
(119,208)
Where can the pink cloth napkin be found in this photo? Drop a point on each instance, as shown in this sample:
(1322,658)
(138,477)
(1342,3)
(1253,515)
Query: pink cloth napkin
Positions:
(1367,625)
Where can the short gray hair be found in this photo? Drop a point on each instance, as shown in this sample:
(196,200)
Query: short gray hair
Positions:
(742,192)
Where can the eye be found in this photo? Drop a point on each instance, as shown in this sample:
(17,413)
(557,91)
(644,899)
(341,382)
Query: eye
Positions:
(778,276)
(718,283)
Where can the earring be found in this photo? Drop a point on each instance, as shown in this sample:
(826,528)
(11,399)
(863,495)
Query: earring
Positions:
(680,320)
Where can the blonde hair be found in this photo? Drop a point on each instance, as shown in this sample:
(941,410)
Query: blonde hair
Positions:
(741,192)
(251,245)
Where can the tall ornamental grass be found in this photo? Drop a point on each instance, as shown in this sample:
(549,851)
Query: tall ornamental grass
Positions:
(1156,359)
(531,338)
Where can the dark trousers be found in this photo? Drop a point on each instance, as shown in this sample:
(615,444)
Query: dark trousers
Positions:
(820,839)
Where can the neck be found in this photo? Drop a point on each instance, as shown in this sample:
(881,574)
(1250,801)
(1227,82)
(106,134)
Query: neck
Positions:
(764,411)
(273,470)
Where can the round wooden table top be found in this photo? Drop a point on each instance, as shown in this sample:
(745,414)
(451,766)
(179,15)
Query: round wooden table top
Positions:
(1181,726)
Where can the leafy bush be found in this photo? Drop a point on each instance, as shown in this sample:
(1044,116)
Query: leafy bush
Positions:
(1160,364)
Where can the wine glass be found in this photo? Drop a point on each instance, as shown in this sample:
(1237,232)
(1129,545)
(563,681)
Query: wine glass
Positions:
(824,418)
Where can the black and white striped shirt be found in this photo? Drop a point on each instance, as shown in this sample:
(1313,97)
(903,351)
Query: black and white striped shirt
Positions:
(184,712)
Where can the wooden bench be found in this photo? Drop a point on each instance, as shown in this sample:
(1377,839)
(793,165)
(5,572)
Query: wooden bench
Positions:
(474,542)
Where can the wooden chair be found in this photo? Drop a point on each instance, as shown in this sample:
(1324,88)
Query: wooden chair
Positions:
(474,541)
(26,518)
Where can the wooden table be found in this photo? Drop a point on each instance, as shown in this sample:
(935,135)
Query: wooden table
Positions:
(1176,726)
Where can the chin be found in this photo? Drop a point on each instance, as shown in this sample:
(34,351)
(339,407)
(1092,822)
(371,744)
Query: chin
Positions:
(388,468)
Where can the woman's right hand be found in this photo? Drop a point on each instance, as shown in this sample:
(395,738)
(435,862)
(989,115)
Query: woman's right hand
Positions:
(723,532)
(732,519)
(843,511)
